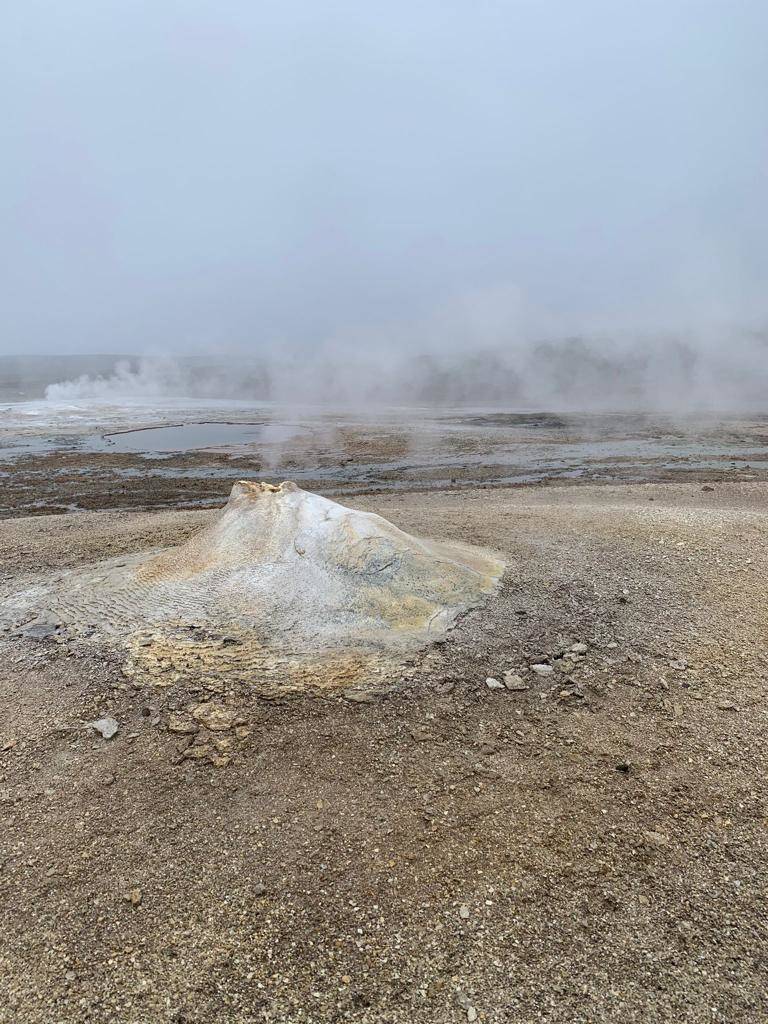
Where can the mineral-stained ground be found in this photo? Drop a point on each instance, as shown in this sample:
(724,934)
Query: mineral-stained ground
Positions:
(583,840)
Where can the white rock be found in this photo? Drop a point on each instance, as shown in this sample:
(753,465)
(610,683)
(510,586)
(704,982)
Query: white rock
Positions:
(106,727)
(289,572)
(542,670)
(493,684)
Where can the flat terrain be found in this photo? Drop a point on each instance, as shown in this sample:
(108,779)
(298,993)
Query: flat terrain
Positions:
(589,846)
(142,459)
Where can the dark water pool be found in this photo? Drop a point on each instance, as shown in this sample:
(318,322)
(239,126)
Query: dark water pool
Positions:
(186,437)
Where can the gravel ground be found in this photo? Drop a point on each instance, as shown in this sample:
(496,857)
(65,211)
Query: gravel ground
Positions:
(586,846)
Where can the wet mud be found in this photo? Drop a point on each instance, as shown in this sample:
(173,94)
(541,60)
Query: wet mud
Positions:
(188,464)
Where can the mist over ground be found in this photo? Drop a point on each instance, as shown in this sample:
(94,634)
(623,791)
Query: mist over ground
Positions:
(539,204)
(573,374)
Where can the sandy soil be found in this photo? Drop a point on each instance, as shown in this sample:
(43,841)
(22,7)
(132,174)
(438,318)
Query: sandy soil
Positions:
(589,849)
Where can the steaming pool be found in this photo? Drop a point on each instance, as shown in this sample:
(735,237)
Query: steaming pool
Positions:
(135,454)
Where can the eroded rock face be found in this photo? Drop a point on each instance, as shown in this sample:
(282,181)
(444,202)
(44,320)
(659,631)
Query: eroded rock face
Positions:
(285,586)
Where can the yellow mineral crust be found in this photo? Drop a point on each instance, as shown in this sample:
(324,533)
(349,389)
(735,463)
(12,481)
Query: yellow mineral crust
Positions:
(284,588)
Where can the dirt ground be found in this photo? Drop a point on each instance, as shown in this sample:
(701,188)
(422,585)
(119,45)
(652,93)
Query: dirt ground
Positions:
(589,846)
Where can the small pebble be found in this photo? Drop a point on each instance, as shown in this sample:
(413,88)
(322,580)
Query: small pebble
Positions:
(105,727)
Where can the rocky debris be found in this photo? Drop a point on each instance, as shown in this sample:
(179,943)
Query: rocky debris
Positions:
(679,664)
(358,696)
(40,630)
(542,670)
(707,487)
(106,727)
(208,753)
(215,716)
(181,724)
(464,912)
(494,684)
(579,648)
(572,691)
(657,839)
(134,897)
(514,682)
(210,733)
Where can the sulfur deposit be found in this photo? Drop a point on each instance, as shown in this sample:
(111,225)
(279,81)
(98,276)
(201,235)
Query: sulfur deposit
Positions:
(285,590)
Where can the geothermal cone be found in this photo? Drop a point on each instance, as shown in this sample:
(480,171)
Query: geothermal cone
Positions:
(282,581)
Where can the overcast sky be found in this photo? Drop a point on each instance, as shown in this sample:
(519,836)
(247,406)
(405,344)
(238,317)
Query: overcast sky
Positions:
(250,173)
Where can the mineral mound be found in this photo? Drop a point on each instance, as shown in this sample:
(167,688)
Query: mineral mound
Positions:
(285,590)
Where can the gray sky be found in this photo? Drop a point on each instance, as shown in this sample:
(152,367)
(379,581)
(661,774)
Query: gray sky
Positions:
(247,174)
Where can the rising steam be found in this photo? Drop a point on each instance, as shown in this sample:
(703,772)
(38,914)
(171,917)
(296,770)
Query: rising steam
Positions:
(666,374)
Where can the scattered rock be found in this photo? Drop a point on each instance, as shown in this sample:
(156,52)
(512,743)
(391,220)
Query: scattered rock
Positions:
(40,630)
(106,727)
(198,752)
(182,724)
(464,912)
(652,838)
(471,1014)
(542,670)
(679,664)
(134,897)
(514,682)
(624,766)
(214,716)
(579,648)
(707,487)
(493,684)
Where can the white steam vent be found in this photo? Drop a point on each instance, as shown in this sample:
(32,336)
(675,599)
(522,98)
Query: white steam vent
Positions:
(285,589)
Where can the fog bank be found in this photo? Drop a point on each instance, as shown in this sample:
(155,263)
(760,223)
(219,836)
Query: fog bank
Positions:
(540,203)
(661,374)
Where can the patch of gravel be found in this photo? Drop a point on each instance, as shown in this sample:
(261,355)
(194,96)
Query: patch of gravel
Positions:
(585,845)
